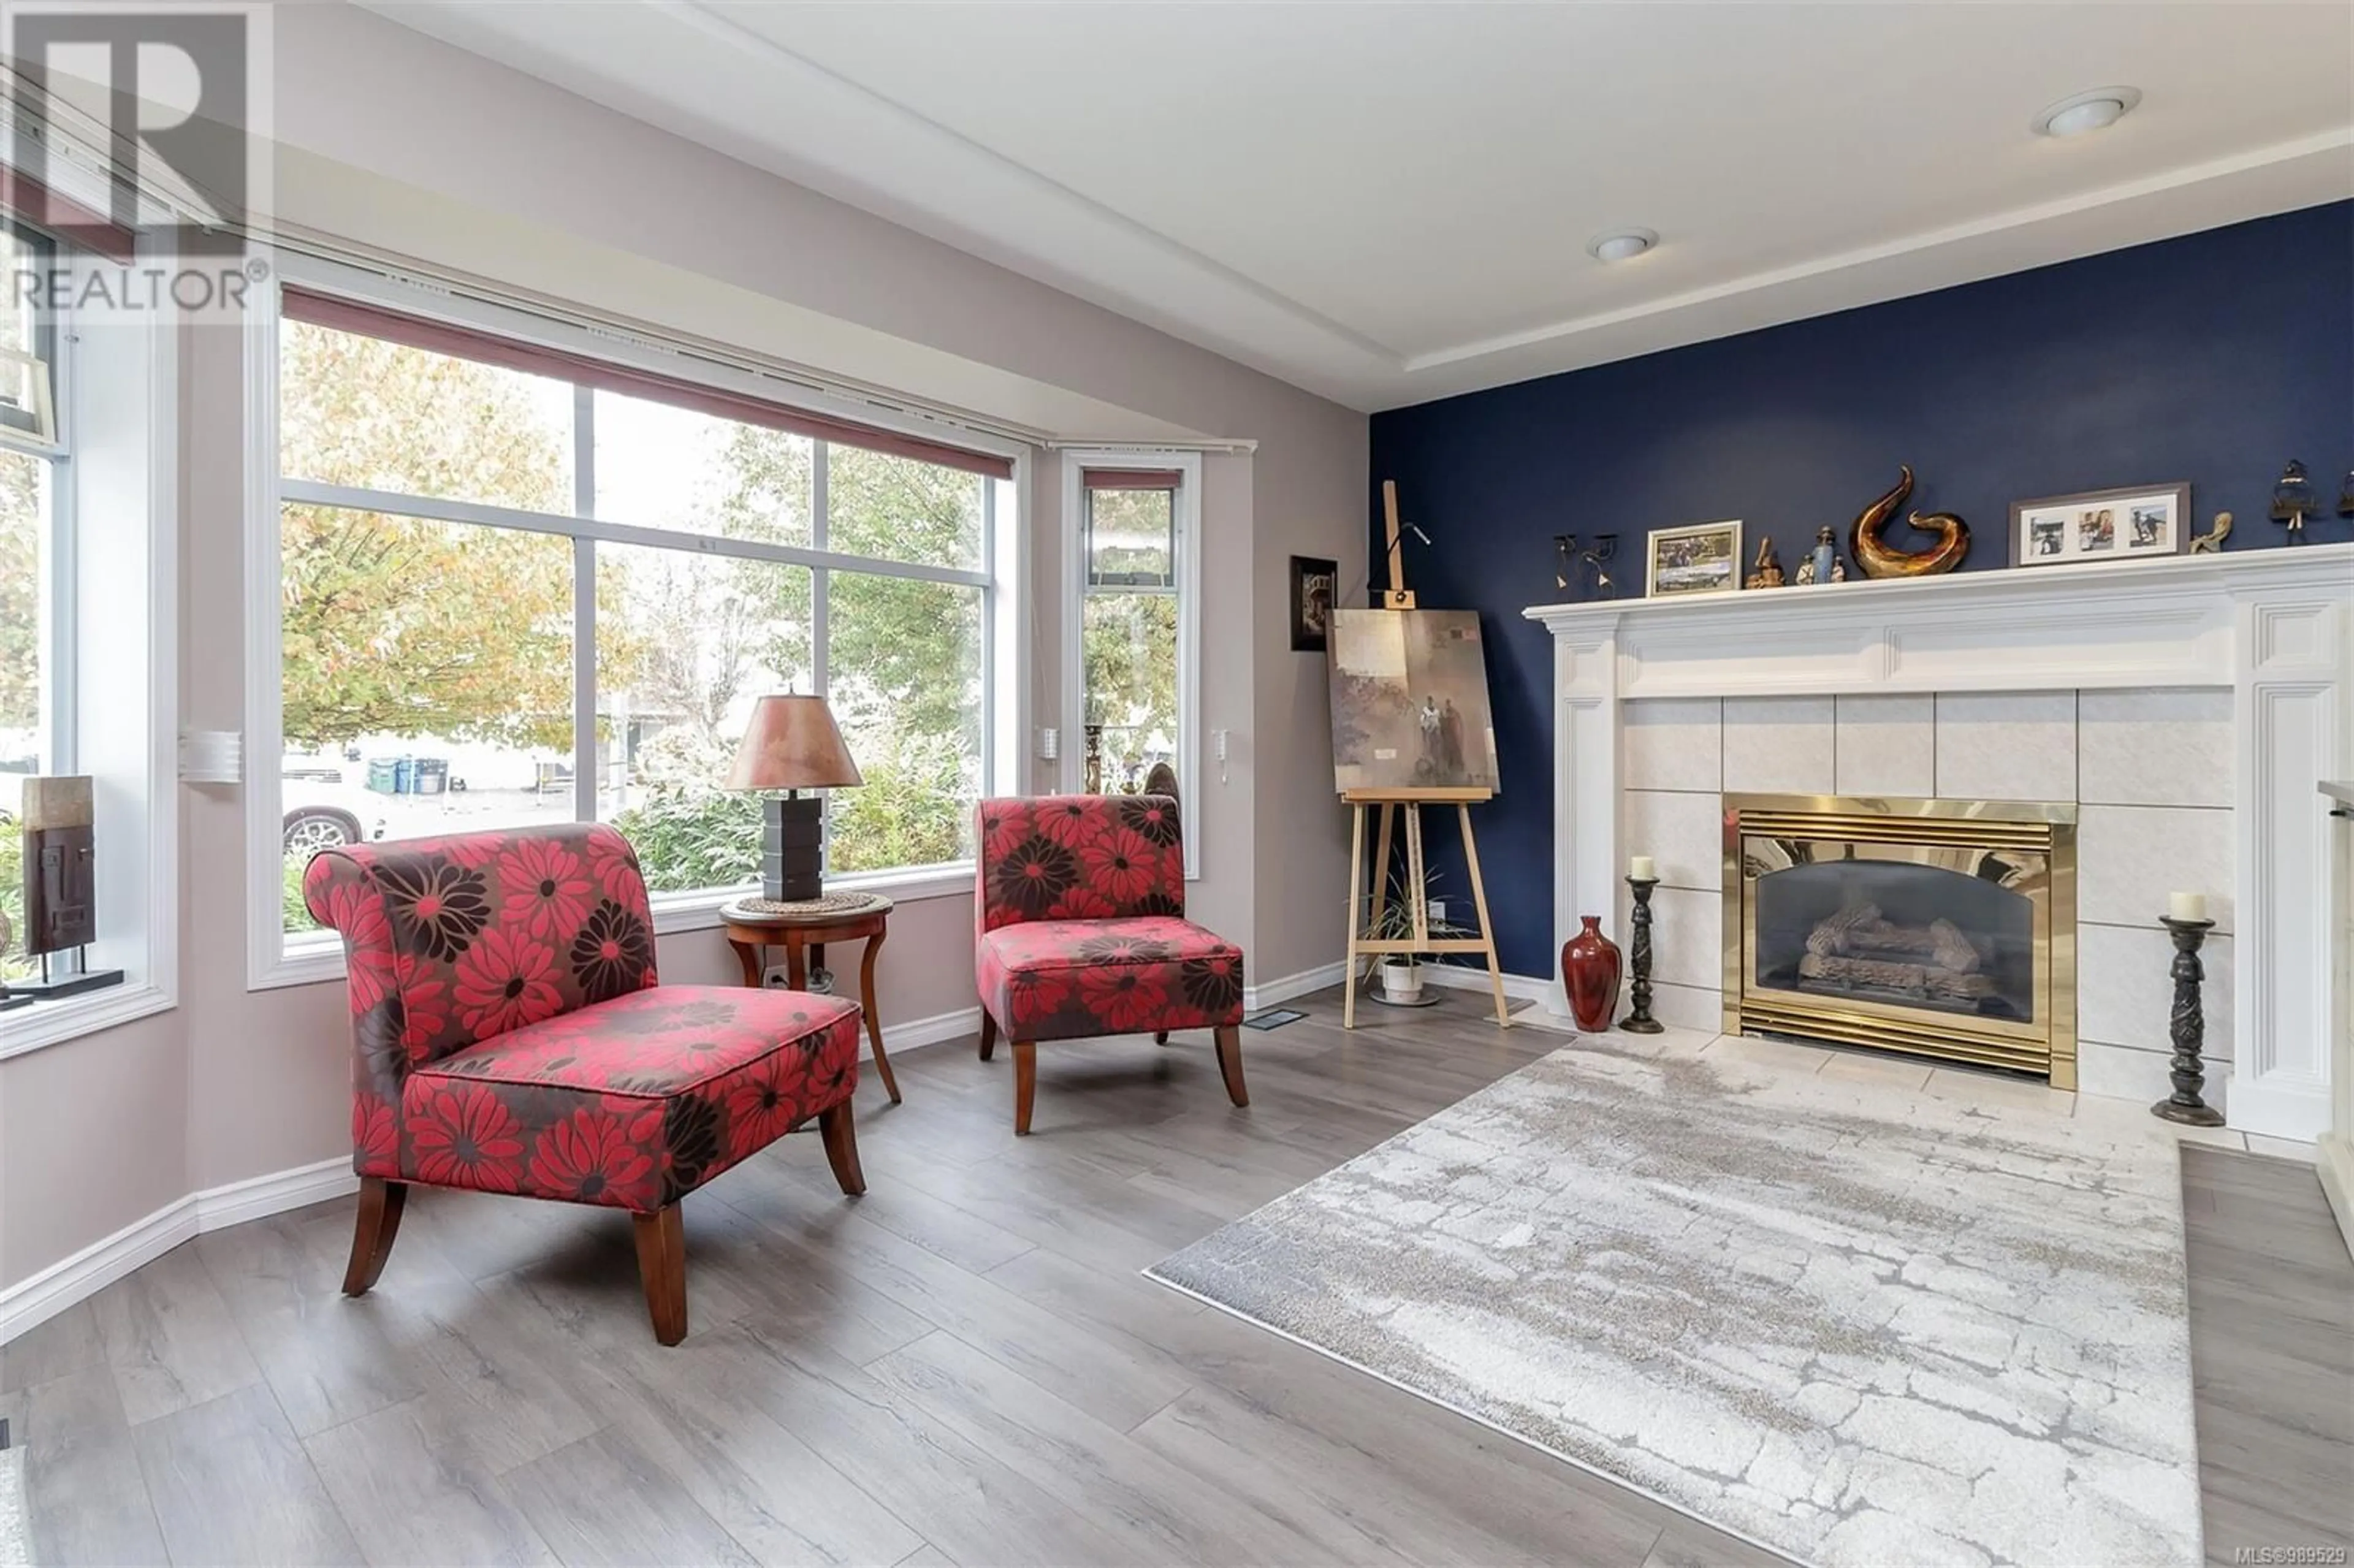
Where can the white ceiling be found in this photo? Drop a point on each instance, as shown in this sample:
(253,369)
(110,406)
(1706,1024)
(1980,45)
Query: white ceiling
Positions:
(1388,203)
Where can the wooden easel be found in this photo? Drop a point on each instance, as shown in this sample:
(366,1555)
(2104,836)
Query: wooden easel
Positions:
(1397,596)
(1418,911)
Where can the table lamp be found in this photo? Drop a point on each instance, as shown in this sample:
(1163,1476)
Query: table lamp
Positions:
(792,744)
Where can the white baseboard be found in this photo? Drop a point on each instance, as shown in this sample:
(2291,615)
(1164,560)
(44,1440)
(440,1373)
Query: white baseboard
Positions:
(929,1030)
(1464,977)
(36,1299)
(1269,993)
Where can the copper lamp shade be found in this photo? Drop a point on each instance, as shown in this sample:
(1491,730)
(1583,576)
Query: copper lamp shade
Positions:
(792,744)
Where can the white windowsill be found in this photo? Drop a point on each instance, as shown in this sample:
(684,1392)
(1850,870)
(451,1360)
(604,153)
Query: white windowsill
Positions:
(316,957)
(30,1028)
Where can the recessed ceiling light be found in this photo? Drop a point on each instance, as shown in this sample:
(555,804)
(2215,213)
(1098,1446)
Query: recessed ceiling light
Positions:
(2095,110)
(1621,244)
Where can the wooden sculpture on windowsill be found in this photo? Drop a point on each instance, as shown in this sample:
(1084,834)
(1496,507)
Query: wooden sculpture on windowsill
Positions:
(1875,558)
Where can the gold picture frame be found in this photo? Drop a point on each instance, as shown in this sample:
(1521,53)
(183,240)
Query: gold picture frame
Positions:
(1702,558)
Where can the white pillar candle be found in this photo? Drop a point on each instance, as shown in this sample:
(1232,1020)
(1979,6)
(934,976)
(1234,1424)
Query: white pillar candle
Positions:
(2187,905)
(1641,869)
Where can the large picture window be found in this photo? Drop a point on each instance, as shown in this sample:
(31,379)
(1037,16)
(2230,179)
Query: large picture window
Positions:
(520,585)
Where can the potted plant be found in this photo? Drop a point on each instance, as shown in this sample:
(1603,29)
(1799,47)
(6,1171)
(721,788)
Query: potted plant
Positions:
(1401,973)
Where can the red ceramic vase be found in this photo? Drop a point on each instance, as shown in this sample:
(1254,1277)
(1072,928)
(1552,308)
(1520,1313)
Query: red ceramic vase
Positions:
(1590,969)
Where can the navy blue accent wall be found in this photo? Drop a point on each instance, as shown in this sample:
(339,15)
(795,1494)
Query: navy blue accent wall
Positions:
(2213,358)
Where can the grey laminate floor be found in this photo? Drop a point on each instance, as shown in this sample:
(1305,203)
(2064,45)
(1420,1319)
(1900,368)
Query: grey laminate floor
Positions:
(963,1366)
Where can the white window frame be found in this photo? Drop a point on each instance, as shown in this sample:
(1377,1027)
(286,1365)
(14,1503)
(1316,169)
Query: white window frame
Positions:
(1185,540)
(272,959)
(111,705)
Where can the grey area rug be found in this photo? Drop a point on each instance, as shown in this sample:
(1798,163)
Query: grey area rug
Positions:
(1856,1324)
(16,1534)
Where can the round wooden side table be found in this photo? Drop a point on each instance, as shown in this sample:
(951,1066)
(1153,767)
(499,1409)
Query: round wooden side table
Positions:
(752,932)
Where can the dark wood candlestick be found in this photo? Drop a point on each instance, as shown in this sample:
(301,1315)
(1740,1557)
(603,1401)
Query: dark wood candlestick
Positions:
(2188,1028)
(1638,961)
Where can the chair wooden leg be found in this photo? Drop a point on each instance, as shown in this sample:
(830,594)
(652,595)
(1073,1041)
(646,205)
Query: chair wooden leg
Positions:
(1025,1084)
(988,1034)
(379,1220)
(1161,1037)
(1230,1063)
(661,1265)
(839,1128)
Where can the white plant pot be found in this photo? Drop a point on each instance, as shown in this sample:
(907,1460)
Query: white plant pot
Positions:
(1401,979)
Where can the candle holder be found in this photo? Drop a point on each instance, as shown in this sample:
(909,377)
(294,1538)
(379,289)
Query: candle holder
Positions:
(1640,1021)
(2188,1028)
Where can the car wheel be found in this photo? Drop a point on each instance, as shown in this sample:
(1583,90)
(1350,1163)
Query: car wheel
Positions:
(312,829)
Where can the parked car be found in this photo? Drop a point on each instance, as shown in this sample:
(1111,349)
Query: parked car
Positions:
(325,806)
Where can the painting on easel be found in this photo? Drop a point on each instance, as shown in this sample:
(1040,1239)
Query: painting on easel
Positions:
(1410,701)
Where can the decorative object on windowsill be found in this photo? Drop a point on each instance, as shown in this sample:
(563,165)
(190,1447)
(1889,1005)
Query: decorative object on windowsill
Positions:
(2293,501)
(2212,542)
(1641,877)
(792,744)
(1591,968)
(1314,584)
(2185,920)
(2099,526)
(60,888)
(1768,571)
(1702,558)
(1875,558)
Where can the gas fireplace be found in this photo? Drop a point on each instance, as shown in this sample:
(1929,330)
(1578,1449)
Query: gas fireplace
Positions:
(1941,928)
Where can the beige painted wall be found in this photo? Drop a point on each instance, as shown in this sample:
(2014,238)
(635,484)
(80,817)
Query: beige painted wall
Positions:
(511,179)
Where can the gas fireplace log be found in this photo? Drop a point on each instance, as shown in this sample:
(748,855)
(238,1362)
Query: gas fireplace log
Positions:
(1878,974)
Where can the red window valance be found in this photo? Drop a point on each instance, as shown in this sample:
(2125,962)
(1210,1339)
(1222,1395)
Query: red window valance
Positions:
(1131,478)
(440,337)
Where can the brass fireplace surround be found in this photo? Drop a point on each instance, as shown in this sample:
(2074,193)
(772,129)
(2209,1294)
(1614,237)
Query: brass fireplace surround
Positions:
(2026,848)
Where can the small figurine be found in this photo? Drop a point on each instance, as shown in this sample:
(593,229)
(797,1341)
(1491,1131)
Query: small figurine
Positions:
(1806,572)
(2211,541)
(1768,574)
(1824,558)
(1839,570)
(2345,495)
(1604,548)
(2293,499)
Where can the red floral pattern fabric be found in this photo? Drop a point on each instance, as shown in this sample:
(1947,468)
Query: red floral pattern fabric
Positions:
(630,1102)
(1078,857)
(508,1032)
(1080,909)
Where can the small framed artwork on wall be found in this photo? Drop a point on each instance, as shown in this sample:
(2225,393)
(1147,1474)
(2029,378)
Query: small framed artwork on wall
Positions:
(1312,585)
(1702,558)
(2102,525)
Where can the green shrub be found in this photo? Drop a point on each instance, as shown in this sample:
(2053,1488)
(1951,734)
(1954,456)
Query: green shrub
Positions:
(693,840)
(292,912)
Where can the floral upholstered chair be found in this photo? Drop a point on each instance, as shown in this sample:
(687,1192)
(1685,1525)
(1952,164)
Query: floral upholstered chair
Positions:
(1082,931)
(508,1035)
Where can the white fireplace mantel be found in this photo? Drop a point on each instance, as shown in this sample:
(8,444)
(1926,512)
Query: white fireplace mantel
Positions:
(2275,627)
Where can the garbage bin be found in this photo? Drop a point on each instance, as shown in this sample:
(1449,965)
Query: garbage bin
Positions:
(404,776)
(383,775)
(432,774)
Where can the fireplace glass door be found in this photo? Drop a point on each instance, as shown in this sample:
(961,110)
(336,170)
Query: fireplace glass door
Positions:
(1864,928)
(1937,928)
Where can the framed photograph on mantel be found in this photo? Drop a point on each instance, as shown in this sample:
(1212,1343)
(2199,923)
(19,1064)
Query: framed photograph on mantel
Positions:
(1704,558)
(2102,525)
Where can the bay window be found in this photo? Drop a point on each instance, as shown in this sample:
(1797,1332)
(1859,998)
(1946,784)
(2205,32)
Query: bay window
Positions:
(1131,639)
(526,575)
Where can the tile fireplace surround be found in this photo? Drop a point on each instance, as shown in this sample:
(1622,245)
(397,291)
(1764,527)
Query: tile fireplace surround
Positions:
(2186,706)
